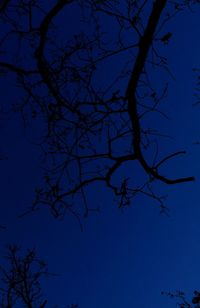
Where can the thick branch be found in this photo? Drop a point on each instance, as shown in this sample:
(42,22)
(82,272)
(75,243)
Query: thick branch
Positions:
(3,5)
(144,47)
(41,62)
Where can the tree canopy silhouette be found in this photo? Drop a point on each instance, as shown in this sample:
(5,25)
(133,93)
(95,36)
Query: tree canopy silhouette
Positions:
(90,89)
(21,278)
(84,75)
(182,301)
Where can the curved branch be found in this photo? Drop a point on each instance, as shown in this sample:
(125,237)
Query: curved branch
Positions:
(39,54)
(168,157)
(144,47)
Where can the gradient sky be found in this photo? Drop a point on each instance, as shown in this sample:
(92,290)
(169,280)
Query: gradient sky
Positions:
(122,258)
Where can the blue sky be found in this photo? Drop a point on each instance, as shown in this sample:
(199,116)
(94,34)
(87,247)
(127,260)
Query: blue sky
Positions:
(122,258)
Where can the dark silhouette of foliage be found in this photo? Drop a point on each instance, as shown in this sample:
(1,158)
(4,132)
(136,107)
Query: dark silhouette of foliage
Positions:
(183,301)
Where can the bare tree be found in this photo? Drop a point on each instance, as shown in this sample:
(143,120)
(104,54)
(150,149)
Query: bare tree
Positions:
(91,93)
(21,280)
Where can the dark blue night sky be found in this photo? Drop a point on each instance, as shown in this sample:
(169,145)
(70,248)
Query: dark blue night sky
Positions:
(122,257)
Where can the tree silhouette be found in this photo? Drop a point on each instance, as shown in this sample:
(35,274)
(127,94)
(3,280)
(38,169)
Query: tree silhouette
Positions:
(183,301)
(21,279)
(91,127)
(89,88)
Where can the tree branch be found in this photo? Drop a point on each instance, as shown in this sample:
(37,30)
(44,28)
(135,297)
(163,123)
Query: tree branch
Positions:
(144,47)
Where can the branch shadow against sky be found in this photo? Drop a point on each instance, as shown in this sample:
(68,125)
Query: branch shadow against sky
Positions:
(90,80)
